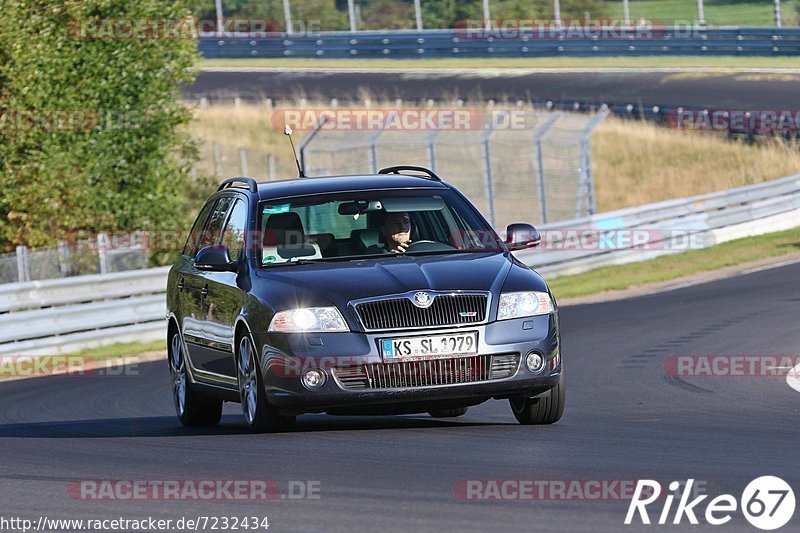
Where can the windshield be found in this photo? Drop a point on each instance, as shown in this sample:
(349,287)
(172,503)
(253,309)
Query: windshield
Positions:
(356,225)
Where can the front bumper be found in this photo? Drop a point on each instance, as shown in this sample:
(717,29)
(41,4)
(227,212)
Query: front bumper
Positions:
(286,357)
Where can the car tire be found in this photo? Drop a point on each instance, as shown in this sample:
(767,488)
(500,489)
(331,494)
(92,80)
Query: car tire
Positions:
(448,413)
(192,409)
(259,415)
(546,408)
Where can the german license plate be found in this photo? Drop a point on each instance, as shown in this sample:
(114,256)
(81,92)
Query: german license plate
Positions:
(429,346)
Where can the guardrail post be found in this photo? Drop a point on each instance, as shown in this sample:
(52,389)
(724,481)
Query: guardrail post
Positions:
(23,268)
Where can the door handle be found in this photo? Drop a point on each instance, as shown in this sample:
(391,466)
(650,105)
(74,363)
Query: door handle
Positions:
(204,291)
(181,284)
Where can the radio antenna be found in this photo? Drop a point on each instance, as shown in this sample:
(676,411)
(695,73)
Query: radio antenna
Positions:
(287,130)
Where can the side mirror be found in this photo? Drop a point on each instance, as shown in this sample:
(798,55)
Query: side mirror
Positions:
(216,258)
(520,236)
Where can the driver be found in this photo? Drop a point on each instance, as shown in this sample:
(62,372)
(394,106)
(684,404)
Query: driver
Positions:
(395,230)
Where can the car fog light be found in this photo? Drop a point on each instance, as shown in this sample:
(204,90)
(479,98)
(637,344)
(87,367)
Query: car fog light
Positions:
(534,362)
(314,379)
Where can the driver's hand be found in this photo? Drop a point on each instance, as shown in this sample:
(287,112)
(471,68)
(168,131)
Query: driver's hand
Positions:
(400,248)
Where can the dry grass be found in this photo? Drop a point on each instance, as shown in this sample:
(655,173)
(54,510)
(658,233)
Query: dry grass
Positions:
(634,162)
(637,163)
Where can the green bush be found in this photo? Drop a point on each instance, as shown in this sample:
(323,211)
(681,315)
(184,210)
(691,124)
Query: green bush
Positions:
(92,134)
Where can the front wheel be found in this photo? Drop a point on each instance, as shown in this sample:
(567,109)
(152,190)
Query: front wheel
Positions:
(545,408)
(259,415)
(191,408)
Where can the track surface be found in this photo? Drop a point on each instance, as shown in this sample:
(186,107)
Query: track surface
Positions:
(753,91)
(624,420)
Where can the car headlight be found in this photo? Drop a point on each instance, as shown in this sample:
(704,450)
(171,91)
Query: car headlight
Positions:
(521,304)
(308,320)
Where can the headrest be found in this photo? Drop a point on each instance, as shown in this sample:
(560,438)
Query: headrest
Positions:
(364,238)
(284,228)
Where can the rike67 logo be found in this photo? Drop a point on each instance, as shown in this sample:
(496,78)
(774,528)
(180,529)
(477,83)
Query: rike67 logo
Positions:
(767,503)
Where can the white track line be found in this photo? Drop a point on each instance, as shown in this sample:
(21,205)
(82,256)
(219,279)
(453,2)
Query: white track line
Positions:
(499,72)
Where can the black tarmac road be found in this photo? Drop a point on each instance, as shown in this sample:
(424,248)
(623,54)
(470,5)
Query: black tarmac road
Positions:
(625,419)
(742,90)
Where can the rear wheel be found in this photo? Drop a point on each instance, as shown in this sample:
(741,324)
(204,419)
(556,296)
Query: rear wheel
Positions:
(448,413)
(191,408)
(545,408)
(259,415)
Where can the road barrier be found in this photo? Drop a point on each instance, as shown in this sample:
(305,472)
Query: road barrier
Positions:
(398,44)
(64,315)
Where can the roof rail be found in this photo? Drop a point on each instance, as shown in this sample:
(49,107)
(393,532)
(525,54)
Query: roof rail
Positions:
(396,170)
(250,182)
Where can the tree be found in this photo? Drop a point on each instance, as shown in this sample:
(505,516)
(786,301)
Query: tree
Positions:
(93,135)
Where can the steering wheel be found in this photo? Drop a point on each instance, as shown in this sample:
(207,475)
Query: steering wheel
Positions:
(428,246)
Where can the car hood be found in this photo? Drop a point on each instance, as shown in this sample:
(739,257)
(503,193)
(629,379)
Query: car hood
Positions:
(341,282)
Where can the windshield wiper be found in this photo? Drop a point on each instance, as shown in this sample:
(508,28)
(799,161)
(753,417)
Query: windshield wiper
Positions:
(291,262)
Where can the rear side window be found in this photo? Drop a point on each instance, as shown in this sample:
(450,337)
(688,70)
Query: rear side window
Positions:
(211,234)
(191,246)
(233,234)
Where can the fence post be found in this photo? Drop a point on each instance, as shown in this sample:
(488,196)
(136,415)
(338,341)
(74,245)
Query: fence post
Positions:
(373,157)
(307,140)
(487,171)
(102,252)
(243,161)
(586,183)
(217,161)
(537,141)
(430,148)
(23,268)
(63,259)
(270,167)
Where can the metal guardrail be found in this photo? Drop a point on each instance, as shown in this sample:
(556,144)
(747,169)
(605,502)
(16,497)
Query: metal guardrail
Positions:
(63,315)
(672,226)
(744,41)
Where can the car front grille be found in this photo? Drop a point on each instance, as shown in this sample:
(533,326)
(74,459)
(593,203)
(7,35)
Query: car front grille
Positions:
(446,310)
(431,373)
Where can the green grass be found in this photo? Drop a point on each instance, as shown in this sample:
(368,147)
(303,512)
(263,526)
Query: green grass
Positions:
(674,266)
(127,349)
(722,63)
(717,13)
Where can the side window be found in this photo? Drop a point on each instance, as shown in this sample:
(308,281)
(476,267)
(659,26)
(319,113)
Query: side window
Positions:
(191,246)
(233,234)
(214,227)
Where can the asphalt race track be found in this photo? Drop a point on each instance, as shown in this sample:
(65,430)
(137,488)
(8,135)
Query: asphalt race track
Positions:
(625,420)
(743,90)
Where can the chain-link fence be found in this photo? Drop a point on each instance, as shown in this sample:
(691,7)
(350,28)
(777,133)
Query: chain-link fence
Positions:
(95,256)
(540,172)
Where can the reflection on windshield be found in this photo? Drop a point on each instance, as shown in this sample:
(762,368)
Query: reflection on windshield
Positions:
(359,225)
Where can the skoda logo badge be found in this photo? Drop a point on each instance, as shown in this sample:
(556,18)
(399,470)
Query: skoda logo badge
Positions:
(422,299)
